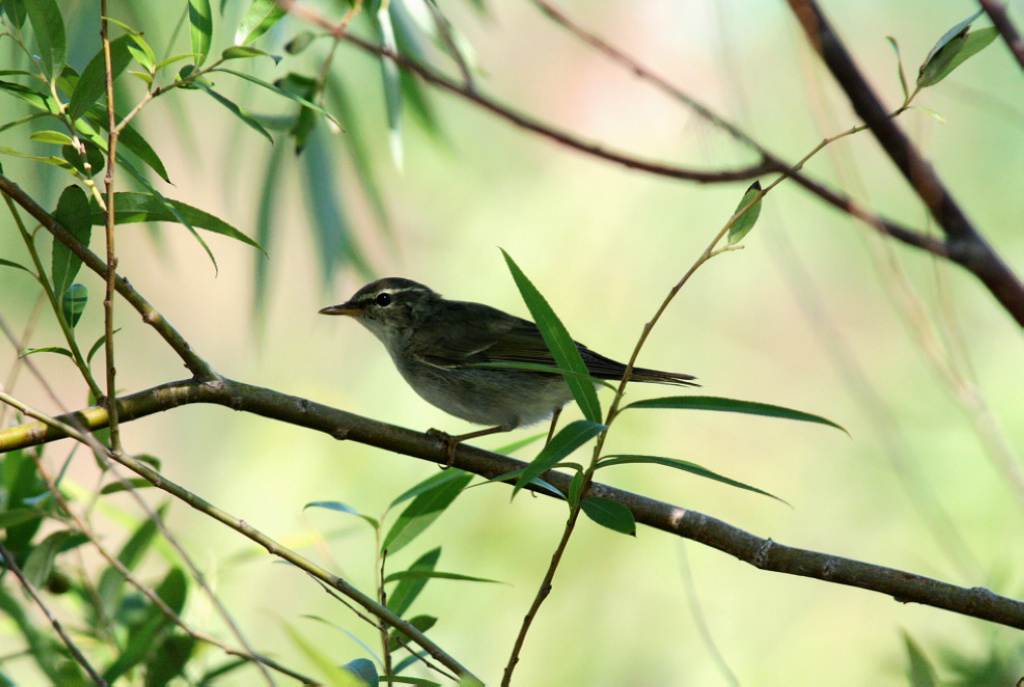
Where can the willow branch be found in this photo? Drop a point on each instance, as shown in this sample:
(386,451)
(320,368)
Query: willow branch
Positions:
(997,12)
(964,244)
(764,554)
(199,367)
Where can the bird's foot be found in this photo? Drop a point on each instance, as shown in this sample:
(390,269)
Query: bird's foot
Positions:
(449,442)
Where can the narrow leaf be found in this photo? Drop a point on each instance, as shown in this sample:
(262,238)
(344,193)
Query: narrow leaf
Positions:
(74,215)
(562,346)
(339,507)
(39,564)
(732,406)
(899,66)
(132,207)
(200,17)
(48,25)
(391,77)
(435,575)
(570,438)
(423,511)
(282,92)
(8,263)
(685,466)
(745,222)
(92,84)
(611,514)
(14,11)
(46,349)
(426,485)
(407,590)
(245,52)
(261,17)
(237,111)
(51,137)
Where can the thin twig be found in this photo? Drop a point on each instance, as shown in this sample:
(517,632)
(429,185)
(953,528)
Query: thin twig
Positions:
(12,565)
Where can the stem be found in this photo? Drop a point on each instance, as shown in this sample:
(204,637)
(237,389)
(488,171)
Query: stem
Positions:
(111,272)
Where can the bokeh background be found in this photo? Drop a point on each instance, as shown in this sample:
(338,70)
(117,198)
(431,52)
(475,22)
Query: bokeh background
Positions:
(815,313)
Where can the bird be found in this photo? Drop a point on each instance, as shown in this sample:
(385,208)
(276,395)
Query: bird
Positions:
(435,343)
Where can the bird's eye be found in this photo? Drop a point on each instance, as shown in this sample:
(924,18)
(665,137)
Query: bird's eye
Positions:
(383,299)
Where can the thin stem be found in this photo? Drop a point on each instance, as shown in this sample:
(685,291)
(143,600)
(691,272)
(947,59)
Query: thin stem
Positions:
(111,271)
(11,564)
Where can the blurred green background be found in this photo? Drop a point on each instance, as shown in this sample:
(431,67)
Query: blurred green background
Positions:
(809,315)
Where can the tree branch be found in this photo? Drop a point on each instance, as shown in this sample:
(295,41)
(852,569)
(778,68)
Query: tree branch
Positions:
(965,245)
(996,11)
(762,553)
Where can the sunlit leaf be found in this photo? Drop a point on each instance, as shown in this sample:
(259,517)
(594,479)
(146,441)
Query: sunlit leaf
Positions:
(260,18)
(200,18)
(340,507)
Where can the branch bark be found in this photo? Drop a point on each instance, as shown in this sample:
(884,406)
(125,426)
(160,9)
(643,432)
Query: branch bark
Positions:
(764,554)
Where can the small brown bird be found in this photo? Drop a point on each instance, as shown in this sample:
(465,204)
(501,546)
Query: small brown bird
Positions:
(434,343)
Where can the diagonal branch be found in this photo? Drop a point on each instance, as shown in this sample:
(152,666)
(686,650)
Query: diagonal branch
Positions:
(996,11)
(764,554)
(965,245)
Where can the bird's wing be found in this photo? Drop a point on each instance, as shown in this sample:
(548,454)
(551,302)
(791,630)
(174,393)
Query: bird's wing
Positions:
(509,340)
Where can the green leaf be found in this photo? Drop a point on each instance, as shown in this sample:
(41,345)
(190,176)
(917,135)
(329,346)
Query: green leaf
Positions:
(568,439)
(300,42)
(8,263)
(39,564)
(132,207)
(334,675)
(391,77)
(562,346)
(15,11)
(200,17)
(435,575)
(261,17)
(112,581)
(143,54)
(244,52)
(745,222)
(46,349)
(421,623)
(339,507)
(685,466)
(95,349)
(73,214)
(44,15)
(426,485)
(364,669)
(953,49)
(732,406)
(133,483)
(97,161)
(408,589)
(423,511)
(17,516)
(236,110)
(51,137)
(611,514)
(282,92)
(575,488)
(899,66)
(169,659)
(73,302)
(92,84)
(920,672)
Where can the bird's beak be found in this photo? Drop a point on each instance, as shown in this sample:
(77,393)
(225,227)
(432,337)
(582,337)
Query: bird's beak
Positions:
(343,309)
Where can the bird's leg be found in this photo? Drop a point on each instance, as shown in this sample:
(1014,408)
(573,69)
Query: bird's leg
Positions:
(554,423)
(451,442)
